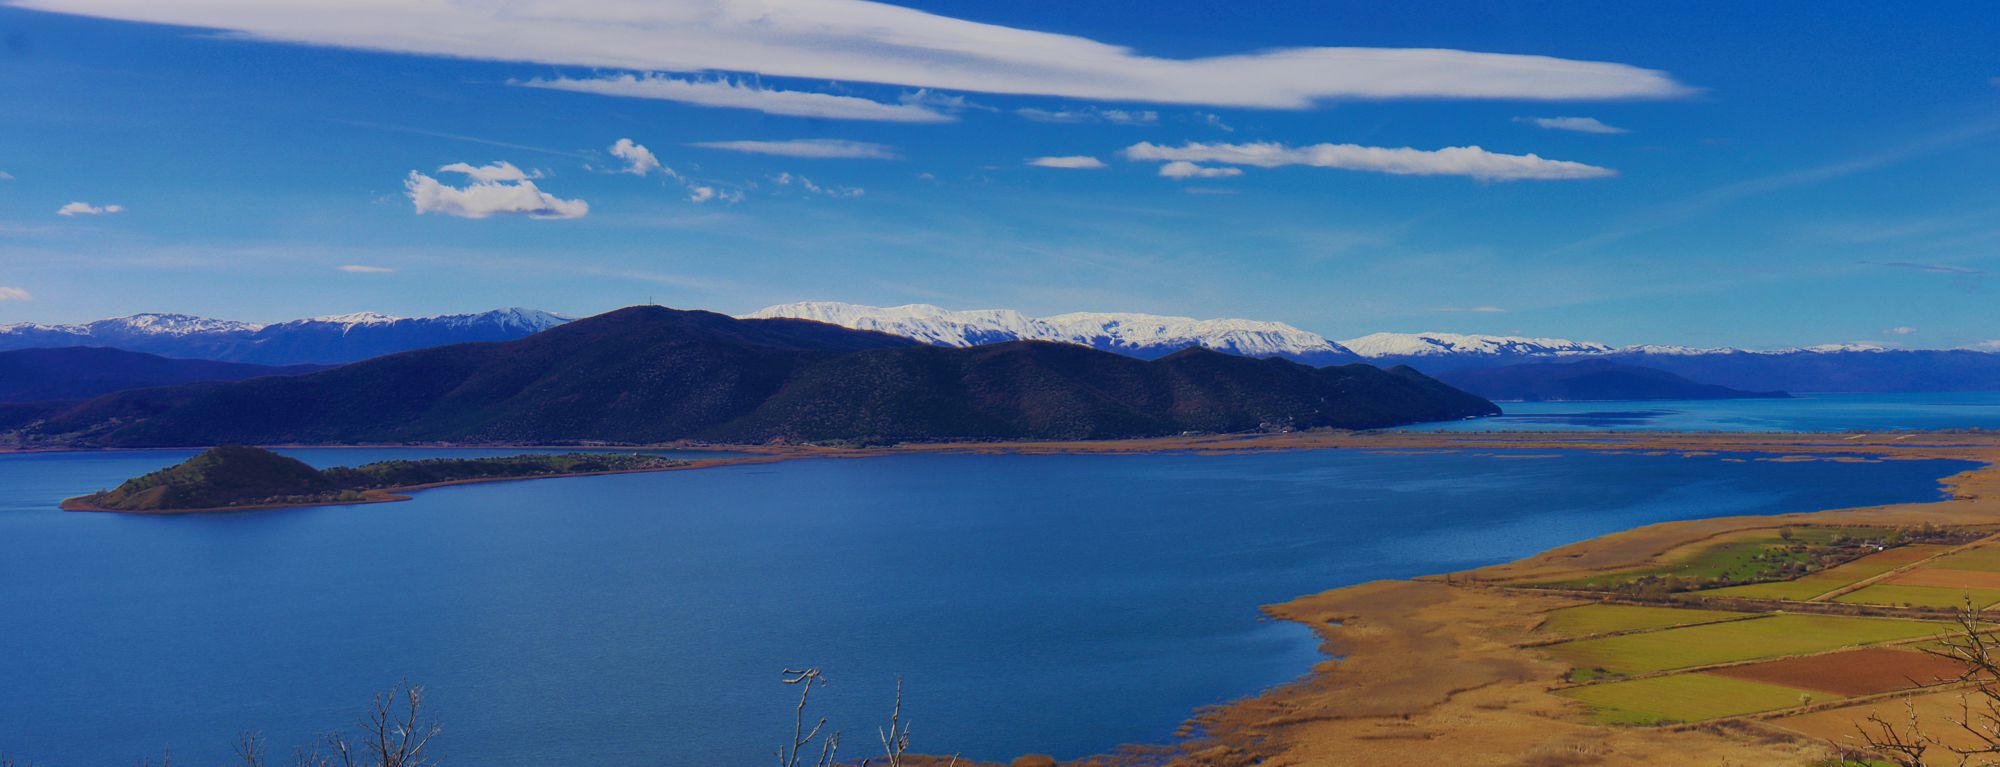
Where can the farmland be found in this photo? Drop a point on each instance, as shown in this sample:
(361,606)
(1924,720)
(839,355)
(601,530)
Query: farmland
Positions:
(1713,643)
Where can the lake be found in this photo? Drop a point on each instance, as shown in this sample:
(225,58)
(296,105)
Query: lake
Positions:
(1058,604)
(1802,413)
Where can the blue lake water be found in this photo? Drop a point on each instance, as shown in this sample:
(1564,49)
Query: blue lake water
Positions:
(1057,604)
(1802,413)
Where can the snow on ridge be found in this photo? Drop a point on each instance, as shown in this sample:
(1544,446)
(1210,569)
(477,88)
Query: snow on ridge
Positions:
(945,327)
(1437,344)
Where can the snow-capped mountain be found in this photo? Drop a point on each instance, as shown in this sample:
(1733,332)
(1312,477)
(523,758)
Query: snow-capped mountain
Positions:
(1442,344)
(1147,336)
(317,340)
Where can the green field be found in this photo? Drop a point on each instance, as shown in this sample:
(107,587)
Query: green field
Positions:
(1832,578)
(1685,698)
(1745,559)
(1983,558)
(1893,595)
(1775,636)
(1585,620)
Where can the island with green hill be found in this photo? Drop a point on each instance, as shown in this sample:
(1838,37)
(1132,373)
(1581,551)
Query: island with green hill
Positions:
(237,477)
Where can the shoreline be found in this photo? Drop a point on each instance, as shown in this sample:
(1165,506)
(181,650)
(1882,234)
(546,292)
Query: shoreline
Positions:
(1440,668)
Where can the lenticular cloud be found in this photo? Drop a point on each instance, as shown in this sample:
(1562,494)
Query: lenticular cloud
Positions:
(862,41)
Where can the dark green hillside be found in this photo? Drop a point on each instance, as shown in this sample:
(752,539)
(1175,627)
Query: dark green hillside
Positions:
(224,476)
(649,374)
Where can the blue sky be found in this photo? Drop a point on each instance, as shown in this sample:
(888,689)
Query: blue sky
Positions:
(1782,173)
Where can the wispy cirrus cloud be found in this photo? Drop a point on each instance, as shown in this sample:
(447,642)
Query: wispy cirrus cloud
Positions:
(1091,115)
(1964,271)
(1470,161)
(499,189)
(809,148)
(14,294)
(806,184)
(1572,124)
(862,41)
(1071,162)
(87,209)
(1899,330)
(738,95)
(364,269)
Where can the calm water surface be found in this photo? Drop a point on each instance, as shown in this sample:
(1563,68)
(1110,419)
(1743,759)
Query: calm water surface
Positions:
(1802,413)
(1033,603)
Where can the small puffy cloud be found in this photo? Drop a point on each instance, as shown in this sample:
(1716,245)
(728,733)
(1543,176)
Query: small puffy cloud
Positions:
(1900,330)
(736,95)
(499,189)
(499,171)
(1213,120)
(1987,346)
(639,160)
(364,269)
(14,294)
(87,209)
(1180,169)
(1074,162)
(806,184)
(808,148)
(1470,161)
(5,176)
(1572,124)
(1091,115)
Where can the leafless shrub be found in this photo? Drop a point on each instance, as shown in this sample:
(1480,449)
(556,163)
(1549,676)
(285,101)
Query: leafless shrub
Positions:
(1975,729)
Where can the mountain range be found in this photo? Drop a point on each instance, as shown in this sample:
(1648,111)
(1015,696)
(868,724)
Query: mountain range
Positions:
(1824,368)
(347,338)
(315,341)
(650,374)
(77,372)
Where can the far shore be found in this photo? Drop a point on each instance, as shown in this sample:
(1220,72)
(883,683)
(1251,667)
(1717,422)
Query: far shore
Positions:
(1794,446)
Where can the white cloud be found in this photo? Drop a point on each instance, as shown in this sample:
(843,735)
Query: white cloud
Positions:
(1987,346)
(699,194)
(735,95)
(1450,161)
(1179,169)
(790,179)
(943,102)
(87,209)
(862,41)
(1901,330)
(5,176)
(364,269)
(1091,115)
(811,148)
(14,294)
(493,191)
(1573,124)
(499,171)
(1078,162)
(639,160)
(1213,120)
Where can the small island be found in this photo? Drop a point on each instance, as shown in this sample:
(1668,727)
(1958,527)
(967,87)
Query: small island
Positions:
(235,477)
